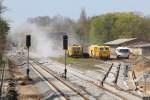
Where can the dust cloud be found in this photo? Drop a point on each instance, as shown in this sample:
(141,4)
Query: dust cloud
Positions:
(41,45)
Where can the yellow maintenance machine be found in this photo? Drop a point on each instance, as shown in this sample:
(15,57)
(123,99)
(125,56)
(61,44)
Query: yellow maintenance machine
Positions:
(96,51)
(75,51)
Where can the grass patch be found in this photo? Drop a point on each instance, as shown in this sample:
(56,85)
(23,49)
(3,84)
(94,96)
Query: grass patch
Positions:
(1,65)
(80,63)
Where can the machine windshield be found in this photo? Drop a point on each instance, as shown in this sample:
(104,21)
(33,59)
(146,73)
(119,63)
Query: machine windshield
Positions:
(76,49)
(101,49)
(124,50)
(106,48)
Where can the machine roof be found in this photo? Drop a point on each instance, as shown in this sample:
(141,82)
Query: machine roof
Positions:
(119,41)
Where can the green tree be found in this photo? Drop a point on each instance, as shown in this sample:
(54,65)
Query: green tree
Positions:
(127,25)
(144,29)
(118,25)
(101,28)
(3,30)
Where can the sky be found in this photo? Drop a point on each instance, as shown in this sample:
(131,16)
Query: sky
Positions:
(19,10)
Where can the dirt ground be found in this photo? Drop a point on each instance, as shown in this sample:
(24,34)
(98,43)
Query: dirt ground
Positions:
(27,92)
(25,89)
(80,63)
(143,65)
(140,69)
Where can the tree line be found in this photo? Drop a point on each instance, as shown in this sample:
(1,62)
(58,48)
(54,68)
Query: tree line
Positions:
(111,26)
(101,28)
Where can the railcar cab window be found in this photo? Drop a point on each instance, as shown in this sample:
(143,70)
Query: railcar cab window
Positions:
(106,48)
(76,49)
(101,49)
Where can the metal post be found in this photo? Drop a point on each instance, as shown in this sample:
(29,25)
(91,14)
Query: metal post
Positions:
(65,71)
(145,91)
(11,50)
(126,71)
(2,80)
(118,70)
(102,82)
(28,70)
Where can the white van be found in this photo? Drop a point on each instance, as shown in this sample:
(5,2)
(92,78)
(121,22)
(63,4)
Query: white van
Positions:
(123,52)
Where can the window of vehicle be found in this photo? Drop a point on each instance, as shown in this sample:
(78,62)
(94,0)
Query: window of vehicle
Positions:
(101,49)
(124,50)
(76,49)
(106,48)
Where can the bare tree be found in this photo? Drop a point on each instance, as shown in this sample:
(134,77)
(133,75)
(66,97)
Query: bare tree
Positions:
(83,27)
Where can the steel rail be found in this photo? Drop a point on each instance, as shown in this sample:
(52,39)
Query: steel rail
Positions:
(84,97)
(66,97)
(114,86)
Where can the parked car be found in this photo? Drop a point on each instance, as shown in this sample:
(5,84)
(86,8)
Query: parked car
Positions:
(123,52)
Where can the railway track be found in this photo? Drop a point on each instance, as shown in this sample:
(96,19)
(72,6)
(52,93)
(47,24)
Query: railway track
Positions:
(114,85)
(96,83)
(112,89)
(65,90)
(115,81)
(124,94)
